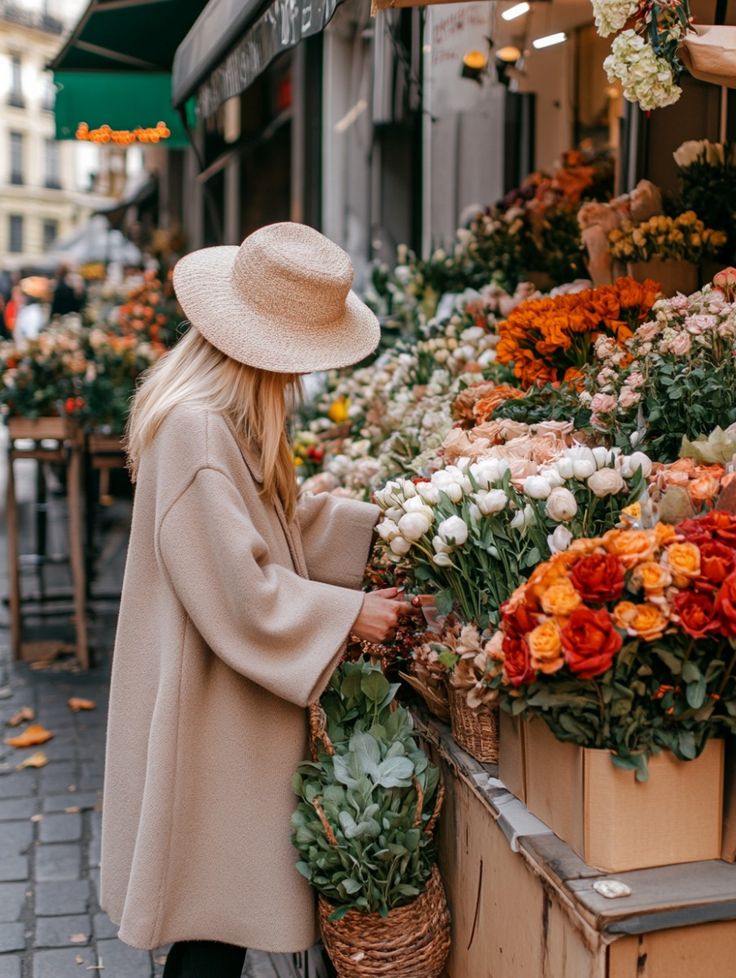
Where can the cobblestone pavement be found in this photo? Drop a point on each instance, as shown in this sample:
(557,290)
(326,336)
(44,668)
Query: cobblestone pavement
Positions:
(51,924)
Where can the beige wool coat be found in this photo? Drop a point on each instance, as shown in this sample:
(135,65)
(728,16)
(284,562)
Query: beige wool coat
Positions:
(231,622)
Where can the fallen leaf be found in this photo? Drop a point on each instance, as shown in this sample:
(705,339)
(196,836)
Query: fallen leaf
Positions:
(23,714)
(37,818)
(72,809)
(76,703)
(78,939)
(31,737)
(38,759)
(42,664)
(79,959)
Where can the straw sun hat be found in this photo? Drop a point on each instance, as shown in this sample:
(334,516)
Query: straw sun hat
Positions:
(282,301)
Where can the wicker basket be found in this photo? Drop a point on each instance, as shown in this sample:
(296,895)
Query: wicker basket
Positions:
(413,941)
(434,695)
(476,731)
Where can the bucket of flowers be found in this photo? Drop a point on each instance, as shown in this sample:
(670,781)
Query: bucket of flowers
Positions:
(369,803)
(474,530)
(621,652)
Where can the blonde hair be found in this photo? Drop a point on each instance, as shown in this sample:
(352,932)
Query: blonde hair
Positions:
(257,402)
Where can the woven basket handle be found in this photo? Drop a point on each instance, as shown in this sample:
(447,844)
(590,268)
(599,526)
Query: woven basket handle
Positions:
(318,731)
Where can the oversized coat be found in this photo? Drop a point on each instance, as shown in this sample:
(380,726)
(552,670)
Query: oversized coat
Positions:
(232,621)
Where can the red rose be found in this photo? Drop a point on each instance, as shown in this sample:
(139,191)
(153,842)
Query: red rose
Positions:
(716,563)
(726,605)
(599,578)
(697,613)
(520,621)
(70,405)
(590,642)
(517,661)
(694,531)
(722,525)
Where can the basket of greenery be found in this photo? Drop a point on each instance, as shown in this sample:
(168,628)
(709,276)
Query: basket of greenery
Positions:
(369,802)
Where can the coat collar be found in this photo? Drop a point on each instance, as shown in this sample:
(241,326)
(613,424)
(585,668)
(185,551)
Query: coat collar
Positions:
(250,454)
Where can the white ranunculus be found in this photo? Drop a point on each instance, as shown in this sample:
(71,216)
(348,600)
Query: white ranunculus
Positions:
(453,530)
(442,560)
(536,487)
(492,501)
(439,545)
(400,546)
(630,464)
(606,482)
(559,540)
(417,505)
(561,505)
(428,492)
(387,530)
(602,457)
(413,526)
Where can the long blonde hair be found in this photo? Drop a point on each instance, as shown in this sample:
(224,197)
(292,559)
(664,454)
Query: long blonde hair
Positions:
(257,402)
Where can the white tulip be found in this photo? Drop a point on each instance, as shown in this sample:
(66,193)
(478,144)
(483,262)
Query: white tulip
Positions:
(565,467)
(413,526)
(440,547)
(408,489)
(536,487)
(559,540)
(394,513)
(561,505)
(630,464)
(525,517)
(387,530)
(417,505)
(428,492)
(442,560)
(400,546)
(552,475)
(602,457)
(583,468)
(492,501)
(453,530)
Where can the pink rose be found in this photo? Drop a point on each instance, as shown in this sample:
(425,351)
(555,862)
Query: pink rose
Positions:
(635,379)
(603,403)
(697,325)
(679,302)
(681,344)
(648,331)
(628,398)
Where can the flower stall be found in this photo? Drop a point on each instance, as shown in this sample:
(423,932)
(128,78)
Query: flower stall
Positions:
(554,462)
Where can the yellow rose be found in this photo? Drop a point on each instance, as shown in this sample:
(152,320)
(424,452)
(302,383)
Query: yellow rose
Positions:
(338,410)
(545,645)
(561,599)
(683,560)
(646,621)
(652,577)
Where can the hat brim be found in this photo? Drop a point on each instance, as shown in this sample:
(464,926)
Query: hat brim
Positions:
(205,288)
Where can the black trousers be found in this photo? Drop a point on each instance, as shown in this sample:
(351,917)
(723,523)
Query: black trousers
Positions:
(204,959)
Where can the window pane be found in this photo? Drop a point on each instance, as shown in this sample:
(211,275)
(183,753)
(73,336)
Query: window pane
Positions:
(51,161)
(15,233)
(50,233)
(16,157)
(15,95)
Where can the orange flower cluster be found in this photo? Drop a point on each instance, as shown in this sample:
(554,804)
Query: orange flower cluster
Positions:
(477,403)
(550,340)
(576,609)
(703,483)
(150,313)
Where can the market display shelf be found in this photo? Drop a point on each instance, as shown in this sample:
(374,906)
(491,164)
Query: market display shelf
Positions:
(524,903)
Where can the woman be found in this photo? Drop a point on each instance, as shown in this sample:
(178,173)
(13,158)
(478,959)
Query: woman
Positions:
(237,602)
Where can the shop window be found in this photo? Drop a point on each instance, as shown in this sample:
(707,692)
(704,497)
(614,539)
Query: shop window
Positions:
(49,94)
(50,233)
(16,158)
(52,169)
(15,233)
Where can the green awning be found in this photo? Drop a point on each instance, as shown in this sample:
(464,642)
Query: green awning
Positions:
(125,101)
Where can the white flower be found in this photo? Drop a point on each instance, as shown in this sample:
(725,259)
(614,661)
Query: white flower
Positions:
(442,560)
(583,462)
(413,526)
(552,474)
(492,501)
(417,505)
(536,487)
(444,482)
(488,471)
(611,15)
(561,505)
(606,482)
(559,540)
(525,517)
(453,530)
(565,467)
(602,457)
(630,464)
(645,77)
(387,530)
(428,492)
(394,513)
(688,152)
(475,513)
(440,547)
(400,546)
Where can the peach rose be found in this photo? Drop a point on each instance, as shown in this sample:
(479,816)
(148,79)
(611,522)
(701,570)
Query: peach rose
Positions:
(646,621)
(652,577)
(632,547)
(545,646)
(683,560)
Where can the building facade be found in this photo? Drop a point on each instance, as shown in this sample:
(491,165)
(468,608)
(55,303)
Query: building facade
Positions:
(43,182)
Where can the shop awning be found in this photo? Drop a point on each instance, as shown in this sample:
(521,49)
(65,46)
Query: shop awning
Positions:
(127,35)
(233,41)
(129,102)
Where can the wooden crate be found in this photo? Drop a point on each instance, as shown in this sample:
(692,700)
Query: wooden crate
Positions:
(56,429)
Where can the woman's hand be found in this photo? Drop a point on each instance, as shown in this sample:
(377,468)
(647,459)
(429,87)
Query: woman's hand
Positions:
(380,614)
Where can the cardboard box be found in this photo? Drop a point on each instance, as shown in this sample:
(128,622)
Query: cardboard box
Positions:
(512,754)
(728,850)
(616,823)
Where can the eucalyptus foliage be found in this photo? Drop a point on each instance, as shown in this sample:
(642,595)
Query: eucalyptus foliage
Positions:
(369,795)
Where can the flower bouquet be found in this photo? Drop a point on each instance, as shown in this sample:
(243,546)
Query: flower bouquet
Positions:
(707,172)
(549,340)
(666,248)
(363,828)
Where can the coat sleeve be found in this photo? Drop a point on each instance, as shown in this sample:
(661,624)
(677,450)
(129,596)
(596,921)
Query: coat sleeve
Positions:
(336,534)
(279,630)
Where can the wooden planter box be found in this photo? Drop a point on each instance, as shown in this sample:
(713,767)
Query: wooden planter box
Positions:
(512,754)
(40,428)
(613,821)
(674,276)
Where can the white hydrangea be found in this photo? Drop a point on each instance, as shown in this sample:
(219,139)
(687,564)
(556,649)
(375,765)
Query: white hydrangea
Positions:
(646,78)
(611,15)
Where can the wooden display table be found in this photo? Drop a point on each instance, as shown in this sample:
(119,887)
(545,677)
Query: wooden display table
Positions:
(55,440)
(524,905)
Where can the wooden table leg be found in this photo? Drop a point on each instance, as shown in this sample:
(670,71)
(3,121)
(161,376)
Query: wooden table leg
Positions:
(76,552)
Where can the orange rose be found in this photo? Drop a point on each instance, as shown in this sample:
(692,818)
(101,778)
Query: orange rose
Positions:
(646,621)
(683,560)
(561,599)
(632,547)
(664,534)
(545,645)
(704,489)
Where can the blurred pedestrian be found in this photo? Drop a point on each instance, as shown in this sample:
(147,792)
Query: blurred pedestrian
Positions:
(66,298)
(13,307)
